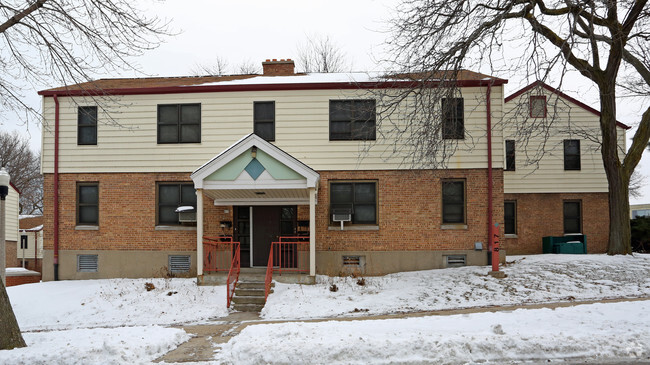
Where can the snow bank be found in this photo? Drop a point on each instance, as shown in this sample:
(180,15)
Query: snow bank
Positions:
(531,279)
(126,345)
(616,331)
(114,302)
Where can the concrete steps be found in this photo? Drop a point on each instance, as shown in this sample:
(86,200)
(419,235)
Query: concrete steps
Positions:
(249,292)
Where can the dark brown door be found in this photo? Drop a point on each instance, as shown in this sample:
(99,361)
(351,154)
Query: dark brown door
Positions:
(266,229)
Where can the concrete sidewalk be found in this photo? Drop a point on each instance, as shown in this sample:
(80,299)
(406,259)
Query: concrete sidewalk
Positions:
(207,337)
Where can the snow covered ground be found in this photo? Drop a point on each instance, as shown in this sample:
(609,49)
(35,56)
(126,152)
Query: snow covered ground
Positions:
(586,333)
(531,279)
(118,321)
(113,321)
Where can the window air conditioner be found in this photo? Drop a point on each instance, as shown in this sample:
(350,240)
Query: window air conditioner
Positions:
(186,214)
(342,215)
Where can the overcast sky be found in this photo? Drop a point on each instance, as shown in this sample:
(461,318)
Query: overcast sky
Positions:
(252,31)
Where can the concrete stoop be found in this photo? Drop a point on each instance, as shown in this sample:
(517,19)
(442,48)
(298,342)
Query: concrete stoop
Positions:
(249,294)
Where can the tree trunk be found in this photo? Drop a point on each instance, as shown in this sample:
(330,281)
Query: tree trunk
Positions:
(10,337)
(618,178)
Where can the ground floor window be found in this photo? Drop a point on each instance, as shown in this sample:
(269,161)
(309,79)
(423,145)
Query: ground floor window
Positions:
(453,201)
(359,198)
(170,197)
(572,217)
(510,217)
(87,203)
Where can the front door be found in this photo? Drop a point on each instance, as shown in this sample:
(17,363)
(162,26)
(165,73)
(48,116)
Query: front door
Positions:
(269,223)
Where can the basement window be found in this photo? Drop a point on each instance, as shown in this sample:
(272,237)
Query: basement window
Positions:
(179,264)
(87,263)
(456,260)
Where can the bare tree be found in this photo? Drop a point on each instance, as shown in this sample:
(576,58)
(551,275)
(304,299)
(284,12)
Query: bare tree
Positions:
(319,54)
(637,181)
(248,68)
(47,42)
(24,167)
(218,67)
(606,42)
(64,42)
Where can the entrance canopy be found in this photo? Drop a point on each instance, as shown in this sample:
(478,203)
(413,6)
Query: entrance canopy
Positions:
(254,172)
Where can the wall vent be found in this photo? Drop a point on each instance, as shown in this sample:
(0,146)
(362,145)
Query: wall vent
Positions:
(456,260)
(351,260)
(179,264)
(87,263)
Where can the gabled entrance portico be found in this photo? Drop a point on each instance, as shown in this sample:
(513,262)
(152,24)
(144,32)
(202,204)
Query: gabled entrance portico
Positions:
(264,185)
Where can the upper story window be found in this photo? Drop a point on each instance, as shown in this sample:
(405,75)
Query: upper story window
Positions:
(572,154)
(264,119)
(170,197)
(453,118)
(453,201)
(352,120)
(88,203)
(537,106)
(179,123)
(359,198)
(87,125)
(510,155)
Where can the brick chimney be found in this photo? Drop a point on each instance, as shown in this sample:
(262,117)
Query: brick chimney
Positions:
(276,67)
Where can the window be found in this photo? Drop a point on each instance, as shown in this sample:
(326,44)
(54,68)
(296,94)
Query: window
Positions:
(510,155)
(510,217)
(88,204)
(179,123)
(537,105)
(453,201)
(360,198)
(572,217)
(453,122)
(264,119)
(87,263)
(571,154)
(170,197)
(352,120)
(87,125)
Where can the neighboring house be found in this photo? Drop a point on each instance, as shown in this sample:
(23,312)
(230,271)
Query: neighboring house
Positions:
(11,225)
(30,249)
(283,154)
(564,190)
(639,210)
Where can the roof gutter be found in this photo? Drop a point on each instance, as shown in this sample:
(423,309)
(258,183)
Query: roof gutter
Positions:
(56,187)
(262,87)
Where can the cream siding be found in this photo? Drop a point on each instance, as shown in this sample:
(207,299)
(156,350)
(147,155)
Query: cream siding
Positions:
(11,211)
(569,121)
(127,134)
(32,237)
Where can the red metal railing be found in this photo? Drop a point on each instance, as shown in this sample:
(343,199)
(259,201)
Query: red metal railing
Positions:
(290,255)
(222,254)
(218,253)
(233,274)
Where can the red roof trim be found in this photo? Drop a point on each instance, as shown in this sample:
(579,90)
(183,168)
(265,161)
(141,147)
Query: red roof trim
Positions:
(14,186)
(563,95)
(264,87)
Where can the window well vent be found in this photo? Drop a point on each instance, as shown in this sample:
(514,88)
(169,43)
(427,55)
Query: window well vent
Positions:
(179,264)
(456,260)
(87,263)
(351,260)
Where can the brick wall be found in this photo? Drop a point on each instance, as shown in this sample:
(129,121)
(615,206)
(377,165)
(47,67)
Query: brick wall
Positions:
(410,211)
(540,215)
(127,218)
(26,279)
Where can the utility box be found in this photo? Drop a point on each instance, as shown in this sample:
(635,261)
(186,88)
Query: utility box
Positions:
(569,244)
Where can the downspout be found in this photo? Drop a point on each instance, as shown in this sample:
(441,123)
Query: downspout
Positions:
(490,184)
(56,187)
(493,246)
